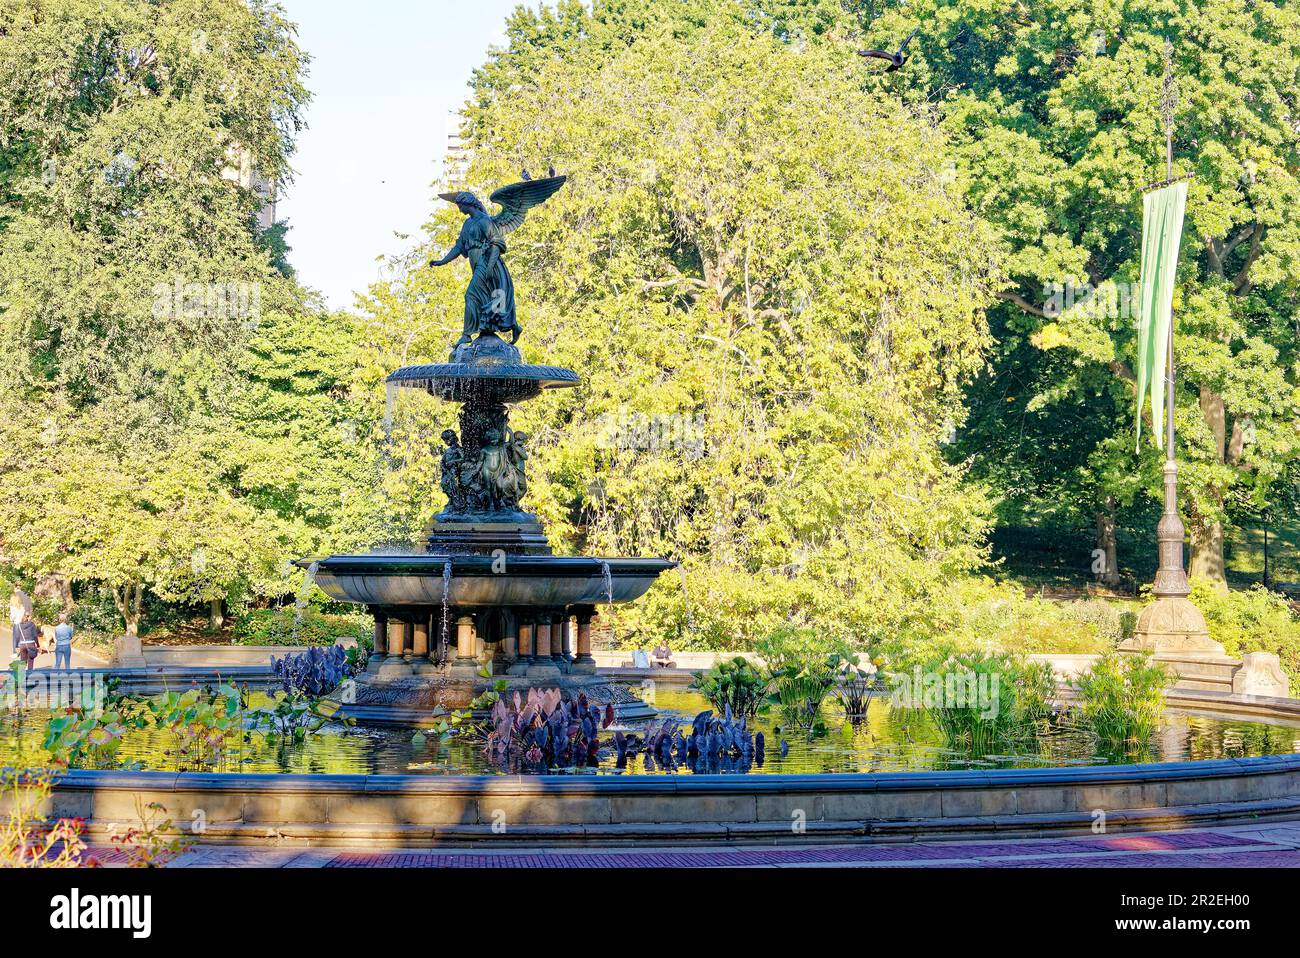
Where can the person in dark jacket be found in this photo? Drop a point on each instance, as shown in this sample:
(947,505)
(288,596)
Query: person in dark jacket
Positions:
(28,641)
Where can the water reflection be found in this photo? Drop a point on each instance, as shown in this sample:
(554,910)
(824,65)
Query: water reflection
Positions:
(888,740)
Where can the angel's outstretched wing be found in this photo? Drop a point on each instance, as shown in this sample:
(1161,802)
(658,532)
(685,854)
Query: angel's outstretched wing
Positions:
(518,198)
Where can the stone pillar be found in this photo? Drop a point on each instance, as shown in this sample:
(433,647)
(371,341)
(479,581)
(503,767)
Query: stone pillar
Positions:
(583,662)
(511,638)
(542,638)
(559,624)
(568,637)
(525,656)
(463,664)
(379,655)
(514,659)
(544,664)
(396,638)
(420,639)
(392,663)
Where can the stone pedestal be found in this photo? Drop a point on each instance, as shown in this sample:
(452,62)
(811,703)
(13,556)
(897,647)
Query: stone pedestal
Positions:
(128,653)
(1261,674)
(1172,625)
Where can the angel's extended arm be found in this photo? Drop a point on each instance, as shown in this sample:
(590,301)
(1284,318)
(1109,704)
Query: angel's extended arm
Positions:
(452,254)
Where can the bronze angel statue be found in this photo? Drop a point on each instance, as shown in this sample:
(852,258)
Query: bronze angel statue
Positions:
(490,296)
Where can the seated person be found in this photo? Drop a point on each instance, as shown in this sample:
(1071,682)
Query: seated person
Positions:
(663,657)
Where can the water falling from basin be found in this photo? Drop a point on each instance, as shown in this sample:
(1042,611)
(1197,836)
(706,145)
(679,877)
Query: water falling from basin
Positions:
(609,584)
(300,602)
(446,591)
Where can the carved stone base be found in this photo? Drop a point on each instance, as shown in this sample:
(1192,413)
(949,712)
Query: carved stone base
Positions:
(1171,625)
(128,653)
(543,670)
(1261,674)
(522,537)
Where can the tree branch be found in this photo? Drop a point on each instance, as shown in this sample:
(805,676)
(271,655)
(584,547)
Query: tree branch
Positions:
(1023,303)
(1241,283)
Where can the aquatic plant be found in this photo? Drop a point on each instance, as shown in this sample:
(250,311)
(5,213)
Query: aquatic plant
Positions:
(853,688)
(714,744)
(1035,684)
(291,716)
(799,691)
(1121,699)
(316,671)
(734,683)
(198,720)
(544,728)
(973,700)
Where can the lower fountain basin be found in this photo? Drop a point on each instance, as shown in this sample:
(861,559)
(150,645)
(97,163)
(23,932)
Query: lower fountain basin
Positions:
(486,580)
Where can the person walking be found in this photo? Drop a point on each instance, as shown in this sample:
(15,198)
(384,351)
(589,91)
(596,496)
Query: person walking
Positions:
(28,640)
(19,606)
(63,643)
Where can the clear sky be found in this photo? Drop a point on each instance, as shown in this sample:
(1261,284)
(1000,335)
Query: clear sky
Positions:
(384,77)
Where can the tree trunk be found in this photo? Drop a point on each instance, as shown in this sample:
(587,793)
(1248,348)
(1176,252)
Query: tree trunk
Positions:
(130,602)
(55,587)
(215,617)
(1207,537)
(1207,552)
(1106,565)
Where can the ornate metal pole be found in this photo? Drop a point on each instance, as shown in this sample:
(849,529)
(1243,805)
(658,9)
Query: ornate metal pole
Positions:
(1171,624)
(1171,578)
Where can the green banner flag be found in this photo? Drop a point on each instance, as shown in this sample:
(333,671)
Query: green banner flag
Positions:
(1162,227)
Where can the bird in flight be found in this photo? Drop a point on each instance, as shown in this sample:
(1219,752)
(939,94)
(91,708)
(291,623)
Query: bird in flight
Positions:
(896,60)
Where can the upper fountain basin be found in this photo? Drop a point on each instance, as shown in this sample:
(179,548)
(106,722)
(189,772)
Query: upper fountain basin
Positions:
(485,580)
(488,370)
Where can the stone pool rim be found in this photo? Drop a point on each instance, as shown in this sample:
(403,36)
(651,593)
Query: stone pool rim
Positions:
(425,810)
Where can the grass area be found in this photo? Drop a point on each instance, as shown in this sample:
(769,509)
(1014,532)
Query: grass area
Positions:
(1244,555)
(1057,563)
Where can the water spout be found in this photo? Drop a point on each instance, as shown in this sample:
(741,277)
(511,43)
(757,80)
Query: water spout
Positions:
(390,400)
(686,597)
(300,603)
(609,584)
(446,591)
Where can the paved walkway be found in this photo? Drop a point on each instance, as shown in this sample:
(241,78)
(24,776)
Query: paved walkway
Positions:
(1249,846)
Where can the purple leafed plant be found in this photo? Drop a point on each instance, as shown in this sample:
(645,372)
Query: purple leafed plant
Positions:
(546,729)
(317,671)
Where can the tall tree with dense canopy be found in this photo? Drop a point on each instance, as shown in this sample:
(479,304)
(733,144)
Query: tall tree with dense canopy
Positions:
(132,275)
(1053,108)
(773,301)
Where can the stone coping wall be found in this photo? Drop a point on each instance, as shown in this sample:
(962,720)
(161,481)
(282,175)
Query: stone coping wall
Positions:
(419,810)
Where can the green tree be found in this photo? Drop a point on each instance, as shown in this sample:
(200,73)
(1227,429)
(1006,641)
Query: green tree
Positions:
(1054,113)
(773,301)
(132,275)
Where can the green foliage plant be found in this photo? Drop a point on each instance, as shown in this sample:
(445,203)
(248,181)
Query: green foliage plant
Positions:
(1121,699)
(734,683)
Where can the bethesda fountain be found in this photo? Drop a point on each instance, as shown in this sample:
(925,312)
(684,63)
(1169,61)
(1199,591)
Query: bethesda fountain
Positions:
(486,599)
